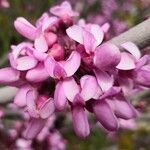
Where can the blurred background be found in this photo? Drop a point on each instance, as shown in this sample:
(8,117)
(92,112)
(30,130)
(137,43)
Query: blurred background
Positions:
(121,15)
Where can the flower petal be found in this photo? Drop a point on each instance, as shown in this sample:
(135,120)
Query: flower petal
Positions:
(72,63)
(59,71)
(70,88)
(97,33)
(8,75)
(63,10)
(107,56)
(20,98)
(143,77)
(40,44)
(126,84)
(105,27)
(111,92)
(142,61)
(31,99)
(127,62)
(37,74)
(40,55)
(26,63)
(123,109)
(76,33)
(50,65)
(105,115)
(34,127)
(60,99)
(132,48)
(80,122)
(25,28)
(47,109)
(49,22)
(89,87)
(89,41)
(104,80)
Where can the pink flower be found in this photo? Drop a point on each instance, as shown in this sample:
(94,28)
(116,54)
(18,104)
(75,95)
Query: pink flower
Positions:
(107,111)
(63,69)
(42,38)
(63,10)
(91,35)
(21,57)
(77,95)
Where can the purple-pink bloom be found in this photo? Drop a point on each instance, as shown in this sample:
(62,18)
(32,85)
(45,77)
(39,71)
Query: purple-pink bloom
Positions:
(65,65)
(63,10)
(63,69)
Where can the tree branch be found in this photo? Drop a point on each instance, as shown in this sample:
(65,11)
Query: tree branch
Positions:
(7,93)
(140,35)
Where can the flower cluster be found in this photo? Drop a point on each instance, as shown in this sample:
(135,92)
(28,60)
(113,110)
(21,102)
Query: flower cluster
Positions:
(64,65)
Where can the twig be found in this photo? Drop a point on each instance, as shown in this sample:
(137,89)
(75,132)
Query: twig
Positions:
(139,34)
(7,93)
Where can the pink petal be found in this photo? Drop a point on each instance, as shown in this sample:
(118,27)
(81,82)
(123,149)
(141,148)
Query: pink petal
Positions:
(59,71)
(104,80)
(25,28)
(47,109)
(8,75)
(31,98)
(37,74)
(132,48)
(105,27)
(143,77)
(89,87)
(76,33)
(105,115)
(128,124)
(72,63)
(97,33)
(57,52)
(127,62)
(34,127)
(126,84)
(50,64)
(13,62)
(40,44)
(142,61)
(50,38)
(89,41)
(26,63)
(123,109)
(63,10)
(42,18)
(40,55)
(20,98)
(60,99)
(70,88)
(49,22)
(16,50)
(80,122)
(107,56)
(98,93)
(111,92)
